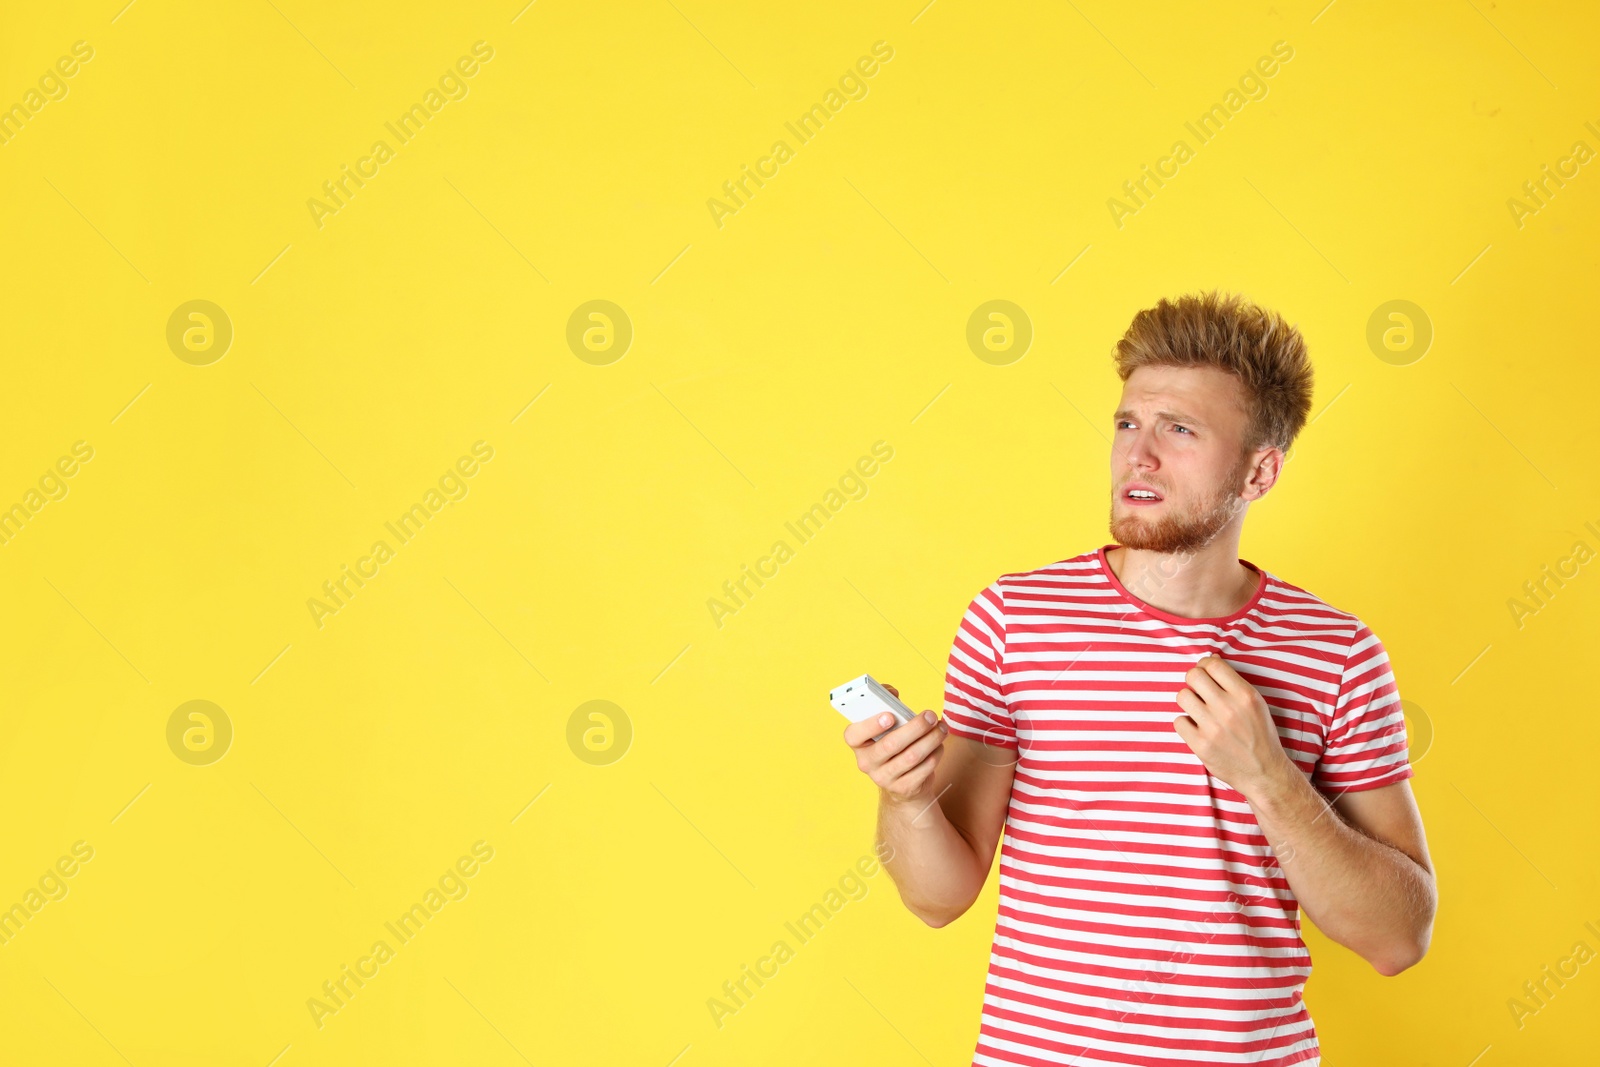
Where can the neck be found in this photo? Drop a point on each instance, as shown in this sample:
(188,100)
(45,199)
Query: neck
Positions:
(1206,583)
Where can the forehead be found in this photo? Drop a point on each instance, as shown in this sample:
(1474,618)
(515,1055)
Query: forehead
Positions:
(1203,393)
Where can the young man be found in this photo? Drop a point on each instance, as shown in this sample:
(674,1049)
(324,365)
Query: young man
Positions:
(1159,728)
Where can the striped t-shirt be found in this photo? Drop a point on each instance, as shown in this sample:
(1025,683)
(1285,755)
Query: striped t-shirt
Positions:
(1143,917)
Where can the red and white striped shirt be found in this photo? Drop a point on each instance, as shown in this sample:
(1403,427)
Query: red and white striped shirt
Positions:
(1143,917)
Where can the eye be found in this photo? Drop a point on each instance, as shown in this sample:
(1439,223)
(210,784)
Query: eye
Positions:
(1123,422)
(1185,429)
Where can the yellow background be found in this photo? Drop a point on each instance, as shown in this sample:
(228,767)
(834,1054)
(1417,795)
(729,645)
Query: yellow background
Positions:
(768,355)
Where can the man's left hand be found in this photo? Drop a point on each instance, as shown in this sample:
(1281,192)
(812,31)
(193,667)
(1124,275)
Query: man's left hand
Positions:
(1227,724)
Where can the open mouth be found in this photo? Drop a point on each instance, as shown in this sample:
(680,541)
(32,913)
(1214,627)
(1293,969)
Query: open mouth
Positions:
(1141,494)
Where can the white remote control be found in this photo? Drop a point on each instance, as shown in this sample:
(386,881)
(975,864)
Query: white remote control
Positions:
(864,698)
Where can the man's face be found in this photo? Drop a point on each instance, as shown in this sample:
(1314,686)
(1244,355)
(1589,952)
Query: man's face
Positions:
(1179,431)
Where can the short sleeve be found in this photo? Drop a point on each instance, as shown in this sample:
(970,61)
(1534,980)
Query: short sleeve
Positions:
(974,705)
(1366,745)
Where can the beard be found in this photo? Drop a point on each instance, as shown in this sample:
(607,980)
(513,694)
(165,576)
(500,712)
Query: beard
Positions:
(1185,532)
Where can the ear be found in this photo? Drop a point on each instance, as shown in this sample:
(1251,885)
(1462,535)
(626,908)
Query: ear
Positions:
(1265,466)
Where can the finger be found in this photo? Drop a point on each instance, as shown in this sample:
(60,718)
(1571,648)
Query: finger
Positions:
(905,735)
(860,734)
(909,755)
(1194,706)
(891,689)
(913,779)
(1186,729)
(897,737)
(914,754)
(1204,684)
(1218,670)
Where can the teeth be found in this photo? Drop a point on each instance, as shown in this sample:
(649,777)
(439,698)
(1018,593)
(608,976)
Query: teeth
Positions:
(1140,494)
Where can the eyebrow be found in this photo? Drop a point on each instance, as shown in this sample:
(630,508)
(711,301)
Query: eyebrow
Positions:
(1170,416)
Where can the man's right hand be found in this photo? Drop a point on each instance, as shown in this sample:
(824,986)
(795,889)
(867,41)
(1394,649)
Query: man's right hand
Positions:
(902,762)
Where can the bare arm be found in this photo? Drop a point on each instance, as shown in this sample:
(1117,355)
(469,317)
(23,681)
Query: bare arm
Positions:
(941,806)
(1367,883)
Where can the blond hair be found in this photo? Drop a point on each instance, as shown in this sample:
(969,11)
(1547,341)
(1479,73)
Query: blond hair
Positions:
(1230,333)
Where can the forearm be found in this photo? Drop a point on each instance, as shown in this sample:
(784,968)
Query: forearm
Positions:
(933,865)
(1366,895)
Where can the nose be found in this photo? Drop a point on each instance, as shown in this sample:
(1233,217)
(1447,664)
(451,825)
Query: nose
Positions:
(1136,450)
